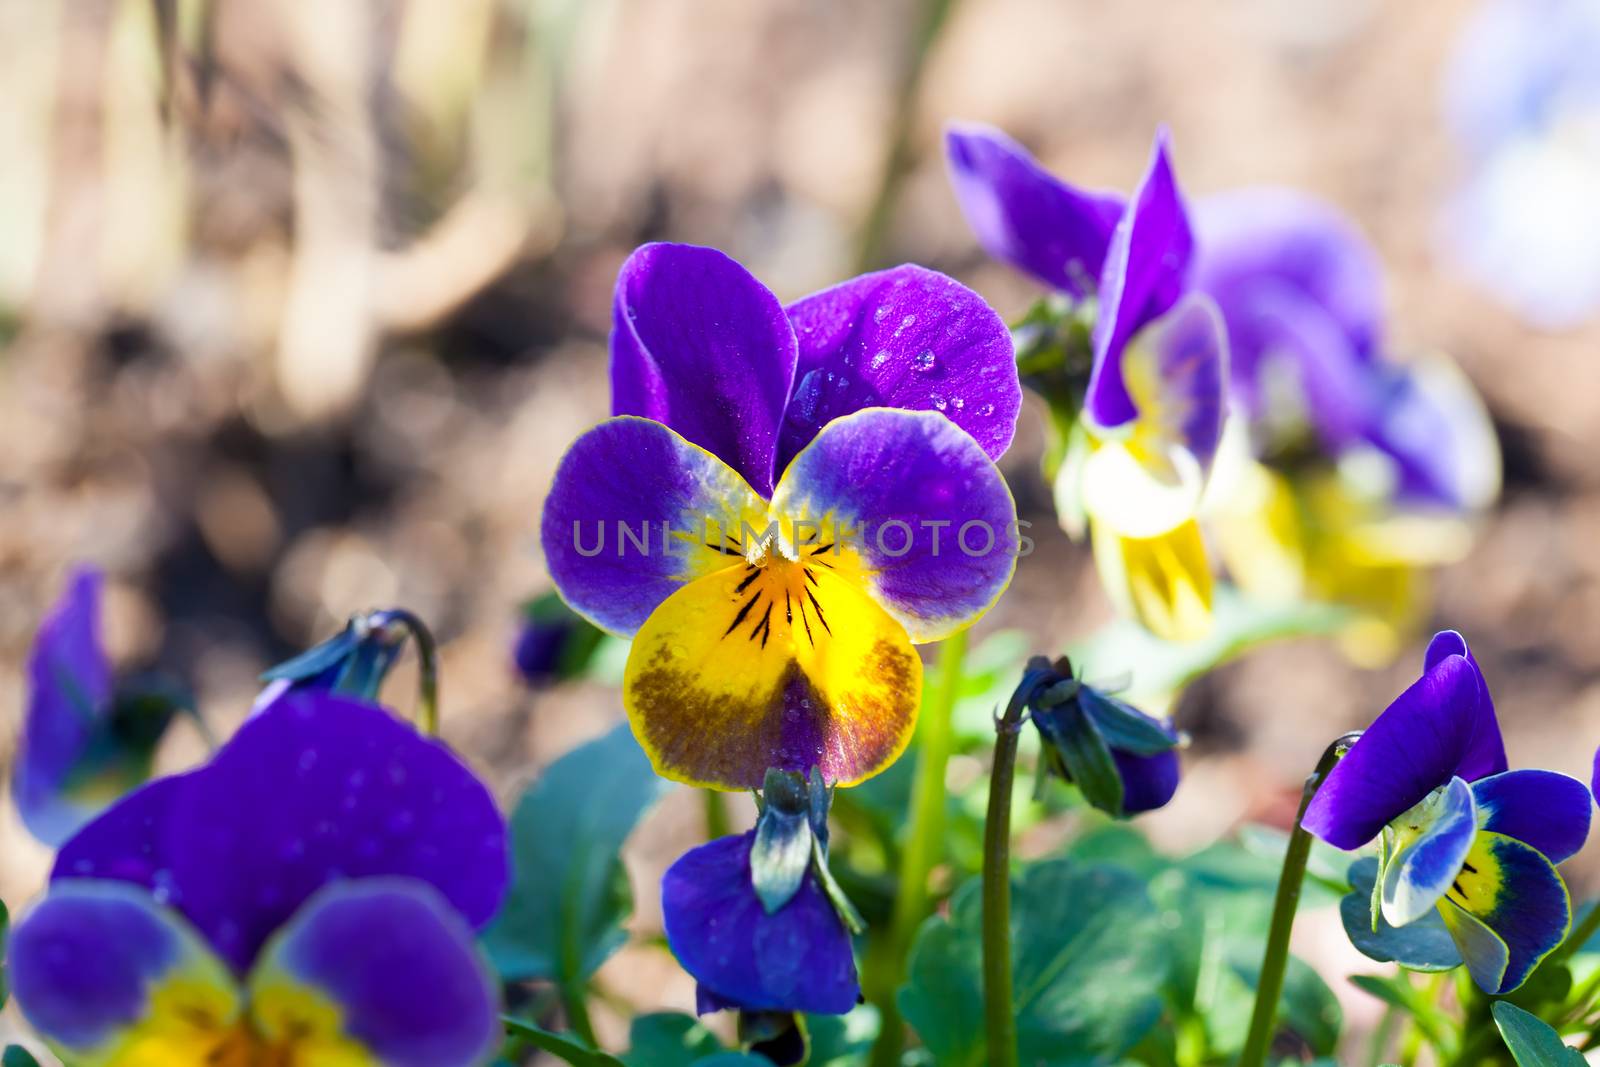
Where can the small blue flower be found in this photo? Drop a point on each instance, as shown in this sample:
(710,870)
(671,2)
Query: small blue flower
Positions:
(554,643)
(757,919)
(1458,831)
(1123,761)
(86,738)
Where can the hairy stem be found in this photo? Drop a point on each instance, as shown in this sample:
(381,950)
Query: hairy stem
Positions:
(1000,1021)
(1276,961)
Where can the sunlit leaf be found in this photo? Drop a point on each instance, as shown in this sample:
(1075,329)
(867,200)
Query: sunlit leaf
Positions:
(565,1047)
(1533,1043)
(569,894)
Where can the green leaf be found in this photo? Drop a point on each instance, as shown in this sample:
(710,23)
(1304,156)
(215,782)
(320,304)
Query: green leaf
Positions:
(569,893)
(1160,668)
(669,1039)
(843,1040)
(17,1056)
(1424,945)
(1532,1042)
(567,1048)
(1088,963)
(1326,867)
(733,1059)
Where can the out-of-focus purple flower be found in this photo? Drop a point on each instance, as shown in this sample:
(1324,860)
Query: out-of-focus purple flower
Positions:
(554,643)
(312,891)
(1458,831)
(1522,93)
(1301,293)
(86,740)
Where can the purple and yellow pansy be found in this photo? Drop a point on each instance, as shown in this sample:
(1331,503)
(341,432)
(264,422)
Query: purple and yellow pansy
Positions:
(1154,404)
(1457,831)
(306,898)
(786,501)
(83,743)
(1356,473)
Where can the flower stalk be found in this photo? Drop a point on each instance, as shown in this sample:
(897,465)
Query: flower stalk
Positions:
(1000,1021)
(427,672)
(1276,961)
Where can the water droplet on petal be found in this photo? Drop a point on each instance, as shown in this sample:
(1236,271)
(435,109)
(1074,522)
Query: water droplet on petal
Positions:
(881,313)
(939,402)
(957,403)
(879,359)
(803,409)
(986,410)
(925,361)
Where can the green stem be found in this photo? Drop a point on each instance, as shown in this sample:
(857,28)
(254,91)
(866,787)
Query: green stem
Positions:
(1000,1020)
(1276,961)
(577,1005)
(924,846)
(427,673)
(717,824)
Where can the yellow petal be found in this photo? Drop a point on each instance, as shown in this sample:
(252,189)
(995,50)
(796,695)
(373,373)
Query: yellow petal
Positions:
(1163,582)
(780,664)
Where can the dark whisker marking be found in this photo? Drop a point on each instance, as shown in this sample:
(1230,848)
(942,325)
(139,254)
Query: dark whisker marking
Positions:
(1456,887)
(1469,868)
(752,576)
(764,624)
(812,578)
(788,611)
(820,549)
(737,619)
(820,616)
(823,563)
(724,549)
(807,621)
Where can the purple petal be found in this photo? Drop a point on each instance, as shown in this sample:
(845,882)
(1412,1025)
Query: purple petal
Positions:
(699,344)
(1441,727)
(398,964)
(88,962)
(904,338)
(1024,215)
(1148,782)
(69,698)
(1507,889)
(1177,374)
(1144,275)
(1484,752)
(1420,872)
(635,513)
(798,959)
(314,788)
(1291,275)
(913,506)
(1546,810)
(1427,418)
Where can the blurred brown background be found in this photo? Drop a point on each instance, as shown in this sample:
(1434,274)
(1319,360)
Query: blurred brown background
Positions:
(300,303)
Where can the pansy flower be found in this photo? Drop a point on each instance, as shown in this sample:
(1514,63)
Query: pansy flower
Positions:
(307,897)
(1356,471)
(86,739)
(1154,402)
(355,661)
(553,643)
(1457,831)
(757,919)
(786,501)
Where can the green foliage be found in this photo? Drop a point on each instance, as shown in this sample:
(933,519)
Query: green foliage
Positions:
(1424,945)
(569,894)
(1532,1042)
(17,1056)
(669,1039)
(1088,965)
